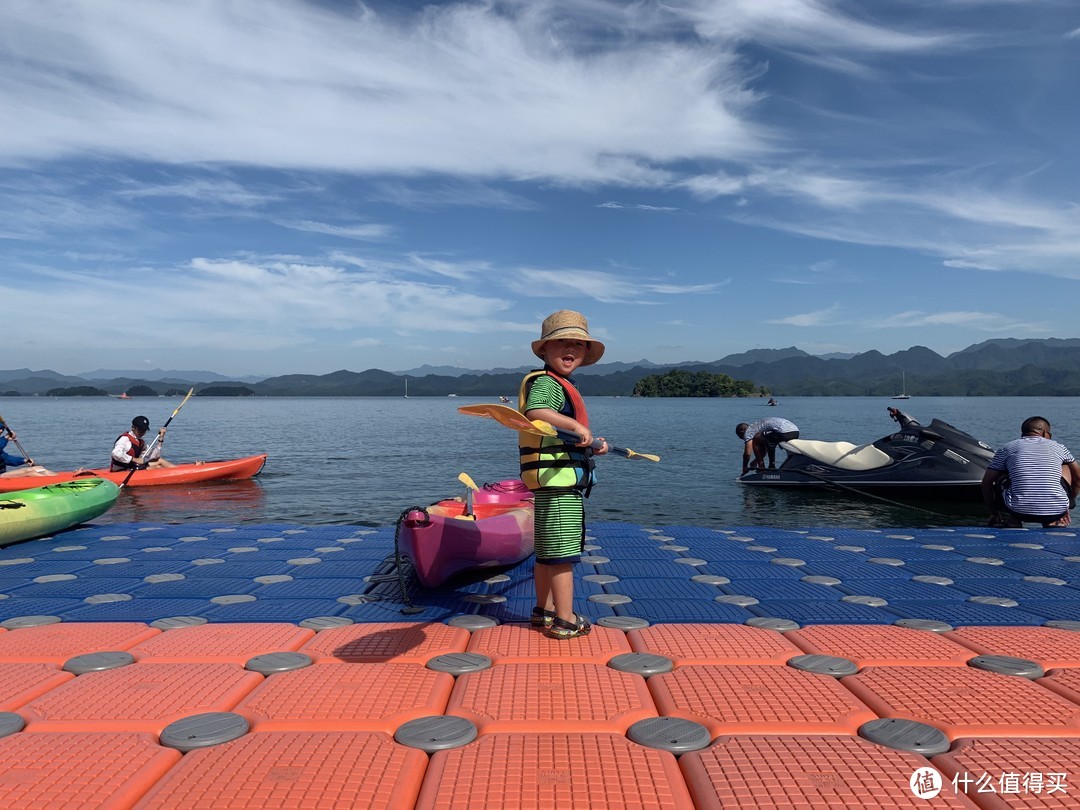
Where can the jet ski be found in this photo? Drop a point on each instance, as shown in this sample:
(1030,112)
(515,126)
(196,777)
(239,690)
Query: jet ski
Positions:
(935,461)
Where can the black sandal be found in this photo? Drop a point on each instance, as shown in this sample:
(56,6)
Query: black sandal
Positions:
(560,628)
(541,617)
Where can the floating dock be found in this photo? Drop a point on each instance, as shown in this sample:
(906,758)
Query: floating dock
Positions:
(281,666)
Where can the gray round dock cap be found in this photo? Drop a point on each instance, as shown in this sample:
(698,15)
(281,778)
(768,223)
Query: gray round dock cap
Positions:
(938,547)
(930,579)
(320,623)
(11,723)
(996,601)
(173,622)
(695,561)
(821,579)
(98,662)
(672,734)
(601,579)
(1064,624)
(906,735)
(1046,580)
(610,598)
(595,559)
(892,561)
(17,622)
(204,730)
(484,598)
(791,562)
(472,622)
(354,599)
(674,547)
(861,599)
(624,623)
(644,664)
(459,663)
(1007,665)
(985,560)
(436,733)
(772,623)
(272,663)
(763,549)
(832,665)
(931,625)
(737,599)
(710,579)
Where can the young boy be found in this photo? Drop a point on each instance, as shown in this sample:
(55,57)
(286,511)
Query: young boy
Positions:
(560,474)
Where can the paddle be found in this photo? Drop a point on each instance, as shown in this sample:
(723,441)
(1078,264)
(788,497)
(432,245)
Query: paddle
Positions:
(471,488)
(3,422)
(511,418)
(150,447)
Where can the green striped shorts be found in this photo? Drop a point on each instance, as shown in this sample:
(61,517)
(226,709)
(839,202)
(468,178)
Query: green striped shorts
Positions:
(560,526)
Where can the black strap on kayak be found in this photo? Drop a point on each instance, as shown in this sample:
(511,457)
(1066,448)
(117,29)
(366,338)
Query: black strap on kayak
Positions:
(11,504)
(398,567)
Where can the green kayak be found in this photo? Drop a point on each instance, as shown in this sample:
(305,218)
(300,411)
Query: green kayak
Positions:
(36,512)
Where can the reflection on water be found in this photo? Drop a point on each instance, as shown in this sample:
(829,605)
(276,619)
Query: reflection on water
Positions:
(208,502)
(789,509)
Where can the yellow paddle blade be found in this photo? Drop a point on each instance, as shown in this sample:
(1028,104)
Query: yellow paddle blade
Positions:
(467,481)
(509,417)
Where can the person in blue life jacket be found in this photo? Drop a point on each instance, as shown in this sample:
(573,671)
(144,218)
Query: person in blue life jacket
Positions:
(12,466)
(761,439)
(129,449)
(1032,479)
(559,473)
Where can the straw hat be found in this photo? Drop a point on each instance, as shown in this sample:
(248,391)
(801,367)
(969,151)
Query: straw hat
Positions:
(569,325)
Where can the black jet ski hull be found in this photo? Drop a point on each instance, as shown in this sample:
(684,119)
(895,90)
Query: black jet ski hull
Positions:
(825,478)
(936,462)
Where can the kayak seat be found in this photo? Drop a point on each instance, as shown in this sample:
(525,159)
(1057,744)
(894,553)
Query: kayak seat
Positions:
(842,455)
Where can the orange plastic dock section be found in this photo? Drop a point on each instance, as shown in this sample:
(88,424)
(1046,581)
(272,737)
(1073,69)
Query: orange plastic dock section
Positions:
(289,675)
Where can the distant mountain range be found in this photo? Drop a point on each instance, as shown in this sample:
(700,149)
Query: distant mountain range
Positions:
(1002,367)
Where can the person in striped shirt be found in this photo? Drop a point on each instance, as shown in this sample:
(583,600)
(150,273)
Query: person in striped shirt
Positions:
(1032,479)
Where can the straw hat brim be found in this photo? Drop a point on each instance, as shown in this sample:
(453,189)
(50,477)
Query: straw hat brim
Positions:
(594,349)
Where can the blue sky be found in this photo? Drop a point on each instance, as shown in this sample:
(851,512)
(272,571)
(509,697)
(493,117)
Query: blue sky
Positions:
(281,186)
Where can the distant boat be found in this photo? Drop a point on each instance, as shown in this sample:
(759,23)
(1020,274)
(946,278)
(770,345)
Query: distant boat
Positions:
(903,388)
(123,395)
(451,395)
(406,388)
(772,402)
(504,399)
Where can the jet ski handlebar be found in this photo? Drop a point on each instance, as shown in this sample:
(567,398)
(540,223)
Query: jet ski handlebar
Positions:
(900,417)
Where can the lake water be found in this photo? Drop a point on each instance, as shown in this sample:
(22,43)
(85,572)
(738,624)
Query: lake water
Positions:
(365,460)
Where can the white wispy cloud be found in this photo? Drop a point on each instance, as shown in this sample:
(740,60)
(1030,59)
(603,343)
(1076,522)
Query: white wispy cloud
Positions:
(468,90)
(363,231)
(981,321)
(666,209)
(249,304)
(600,286)
(821,317)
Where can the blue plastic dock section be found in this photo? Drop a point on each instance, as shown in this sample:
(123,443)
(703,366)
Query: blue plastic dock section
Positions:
(141,572)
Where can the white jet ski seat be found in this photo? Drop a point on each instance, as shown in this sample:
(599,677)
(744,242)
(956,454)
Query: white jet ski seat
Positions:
(842,455)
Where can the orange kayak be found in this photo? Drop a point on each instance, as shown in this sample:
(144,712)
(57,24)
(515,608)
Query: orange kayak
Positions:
(228,470)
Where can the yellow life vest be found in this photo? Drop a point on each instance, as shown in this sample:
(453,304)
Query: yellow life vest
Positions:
(548,462)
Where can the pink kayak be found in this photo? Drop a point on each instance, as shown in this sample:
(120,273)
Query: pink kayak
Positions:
(230,470)
(442,540)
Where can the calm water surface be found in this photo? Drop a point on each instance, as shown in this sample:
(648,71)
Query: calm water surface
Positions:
(365,460)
